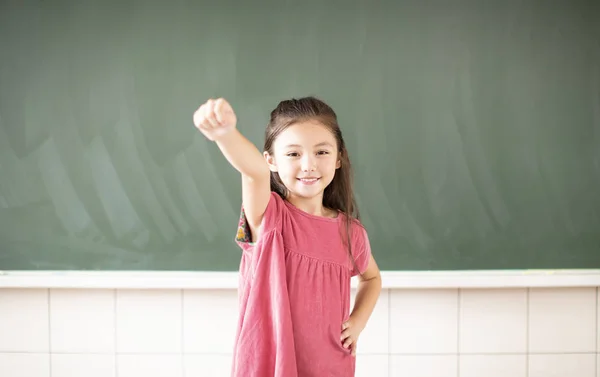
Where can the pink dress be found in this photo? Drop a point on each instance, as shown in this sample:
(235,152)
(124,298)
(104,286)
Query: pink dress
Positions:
(294,294)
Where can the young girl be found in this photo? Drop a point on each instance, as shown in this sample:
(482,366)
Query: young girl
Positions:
(301,241)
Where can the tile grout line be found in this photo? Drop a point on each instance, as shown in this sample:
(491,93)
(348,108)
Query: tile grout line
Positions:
(597,332)
(49,333)
(458,296)
(389,330)
(527,350)
(115,332)
(182,344)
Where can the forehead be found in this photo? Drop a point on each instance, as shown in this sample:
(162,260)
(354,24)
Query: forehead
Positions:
(306,134)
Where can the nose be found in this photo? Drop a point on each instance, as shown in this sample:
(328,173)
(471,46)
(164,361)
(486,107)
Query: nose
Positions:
(308,163)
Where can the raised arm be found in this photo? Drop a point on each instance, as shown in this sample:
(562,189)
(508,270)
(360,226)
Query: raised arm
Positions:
(217,121)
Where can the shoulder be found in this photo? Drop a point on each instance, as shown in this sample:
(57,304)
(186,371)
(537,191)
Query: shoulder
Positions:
(358,228)
(273,212)
(360,237)
(276,205)
(361,247)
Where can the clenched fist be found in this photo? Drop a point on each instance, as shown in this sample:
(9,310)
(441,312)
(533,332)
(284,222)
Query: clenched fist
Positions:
(215,118)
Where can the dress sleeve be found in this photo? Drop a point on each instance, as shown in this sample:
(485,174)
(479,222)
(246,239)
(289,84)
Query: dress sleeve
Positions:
(361,251)
(271,220)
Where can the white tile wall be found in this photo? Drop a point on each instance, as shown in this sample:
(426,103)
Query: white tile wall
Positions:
(83,365)
(149,321)
(372,365)
(24,365)
(25,323)
(150,365)
(207,365)
(424,365)
(424,321)
(493,365)
(562,365)
(82,321)
(417,333)
(562,320)
(493,321)
(204,311)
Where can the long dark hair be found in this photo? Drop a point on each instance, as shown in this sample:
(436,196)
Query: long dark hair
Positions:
(339,194)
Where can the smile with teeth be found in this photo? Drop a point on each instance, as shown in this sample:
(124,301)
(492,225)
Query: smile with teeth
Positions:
(308,181)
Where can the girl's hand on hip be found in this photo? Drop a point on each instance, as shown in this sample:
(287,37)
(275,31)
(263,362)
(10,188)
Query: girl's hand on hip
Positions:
(351,329)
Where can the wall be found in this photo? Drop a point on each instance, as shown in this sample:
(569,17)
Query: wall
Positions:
(534,332)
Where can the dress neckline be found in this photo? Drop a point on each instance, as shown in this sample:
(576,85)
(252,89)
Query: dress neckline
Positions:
(311,216)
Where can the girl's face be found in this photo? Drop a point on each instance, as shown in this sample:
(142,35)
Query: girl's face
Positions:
(306,158)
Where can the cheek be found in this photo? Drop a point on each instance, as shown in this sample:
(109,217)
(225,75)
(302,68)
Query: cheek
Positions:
(328,165)
(286,169)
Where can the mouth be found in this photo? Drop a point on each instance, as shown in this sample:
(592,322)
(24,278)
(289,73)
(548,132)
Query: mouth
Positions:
(309,180)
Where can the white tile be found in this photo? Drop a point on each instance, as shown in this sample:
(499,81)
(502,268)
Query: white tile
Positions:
(209,320)
(82,320)
(424,366)
(598,366)
(79,365)
(493,321)
(24,325)
(372,365)
(562,320)
(149,366)
(149,321)
(562,365)
(207,365)
(374,339)
(493,365)
(24,365)
(424,321)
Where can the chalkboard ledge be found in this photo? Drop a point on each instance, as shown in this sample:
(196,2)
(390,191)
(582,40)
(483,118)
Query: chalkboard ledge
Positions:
(229,280)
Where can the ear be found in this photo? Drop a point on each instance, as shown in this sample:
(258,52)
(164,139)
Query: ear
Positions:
(270,161)
(338,163)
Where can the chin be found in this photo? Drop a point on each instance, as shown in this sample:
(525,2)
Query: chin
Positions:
(309,192)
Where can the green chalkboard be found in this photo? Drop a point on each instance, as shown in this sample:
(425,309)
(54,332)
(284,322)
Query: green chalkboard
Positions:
(474,127)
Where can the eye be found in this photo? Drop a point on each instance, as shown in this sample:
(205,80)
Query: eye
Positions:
(322,152)
(292,154)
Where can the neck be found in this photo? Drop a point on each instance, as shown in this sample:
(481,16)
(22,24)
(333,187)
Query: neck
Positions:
(313,206)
